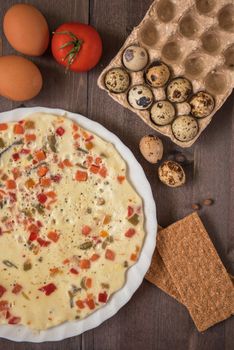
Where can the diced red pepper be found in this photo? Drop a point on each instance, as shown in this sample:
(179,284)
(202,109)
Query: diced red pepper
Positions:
(15,156)
(25,151)
(17,288)
(98,160)
(16,173)
(18,129)
(48,289)
(56,178)
(40,155)
(94,257)
(42,242)
(12,197)
(94,168)
(14,320)
(10,184)
(39,223)
(121,179)
(81,175)
(84,264)
(88,282)
(42,198)
(4,305)
(86,230)
(3,126)
(133,257)
(90,303)
(110,255)
(130,211)
(80,304)
(74,271)
(102,297)
(33,228)
(60,131)
(2,290)
(33,236)
(53,235)
(103,171)
(130,232)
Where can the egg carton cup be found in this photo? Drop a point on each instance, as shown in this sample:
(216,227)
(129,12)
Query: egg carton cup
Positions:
(196,40)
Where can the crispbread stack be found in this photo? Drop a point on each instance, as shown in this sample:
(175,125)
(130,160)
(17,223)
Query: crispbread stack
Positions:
(195,39)
(186,266)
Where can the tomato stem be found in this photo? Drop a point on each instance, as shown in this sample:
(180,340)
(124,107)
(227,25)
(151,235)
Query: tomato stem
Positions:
(76,44)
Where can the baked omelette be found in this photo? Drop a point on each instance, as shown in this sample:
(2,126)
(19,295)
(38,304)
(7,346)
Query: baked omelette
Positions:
(71,224)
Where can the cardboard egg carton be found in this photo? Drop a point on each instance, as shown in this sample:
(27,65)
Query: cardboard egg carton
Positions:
(195,38)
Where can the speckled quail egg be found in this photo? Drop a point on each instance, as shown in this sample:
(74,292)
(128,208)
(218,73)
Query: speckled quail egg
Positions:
(140,97)
(179,89)
(185,128)
(117,80)
(135,58)
(202,104)
(162,113)
(151,148)
(171,174)
(157,74)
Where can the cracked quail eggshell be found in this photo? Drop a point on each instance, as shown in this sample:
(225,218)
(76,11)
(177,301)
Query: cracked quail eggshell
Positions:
(151,148)
(135,58)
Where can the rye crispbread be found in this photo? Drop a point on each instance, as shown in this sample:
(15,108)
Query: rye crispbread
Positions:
(196,271)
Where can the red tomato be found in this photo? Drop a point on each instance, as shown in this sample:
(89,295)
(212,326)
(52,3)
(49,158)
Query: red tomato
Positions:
(77,46)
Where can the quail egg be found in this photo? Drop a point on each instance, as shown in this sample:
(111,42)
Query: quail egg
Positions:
(135,58)
(140,97)
(185,128)
(171,174)
(151,148)
(178,90)
(117,80)
(162,113)
(202,104)
(157,74)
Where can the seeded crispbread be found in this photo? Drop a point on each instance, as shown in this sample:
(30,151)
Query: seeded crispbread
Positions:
(197,271)
(159,275)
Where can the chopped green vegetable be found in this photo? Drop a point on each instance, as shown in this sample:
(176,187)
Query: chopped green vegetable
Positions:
(9,264)
(86,245)
(27,265)
(40,208)
(82,283)
(2,143)
(134,220)
(82,150)
(52,143)
(25,296)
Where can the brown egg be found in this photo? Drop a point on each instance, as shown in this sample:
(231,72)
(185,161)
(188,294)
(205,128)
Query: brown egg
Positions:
(26,29)
(20,80)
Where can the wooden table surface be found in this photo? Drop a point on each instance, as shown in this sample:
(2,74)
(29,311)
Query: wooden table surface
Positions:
(151,319)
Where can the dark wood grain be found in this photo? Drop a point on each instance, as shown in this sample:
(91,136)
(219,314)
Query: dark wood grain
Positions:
(151,319)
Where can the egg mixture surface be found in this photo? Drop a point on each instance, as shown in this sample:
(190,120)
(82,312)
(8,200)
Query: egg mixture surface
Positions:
(70,222)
